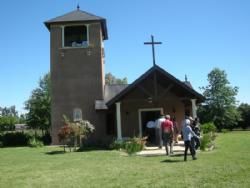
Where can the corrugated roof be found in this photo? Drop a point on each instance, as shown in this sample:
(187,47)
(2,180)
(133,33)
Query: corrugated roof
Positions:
(79,16)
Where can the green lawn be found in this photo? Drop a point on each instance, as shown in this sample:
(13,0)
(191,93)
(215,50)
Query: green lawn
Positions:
(226,166)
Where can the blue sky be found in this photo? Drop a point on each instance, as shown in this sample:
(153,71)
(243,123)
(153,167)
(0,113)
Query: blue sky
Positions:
(197,35)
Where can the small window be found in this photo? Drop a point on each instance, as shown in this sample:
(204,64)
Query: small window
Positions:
(75,36)
(77,114)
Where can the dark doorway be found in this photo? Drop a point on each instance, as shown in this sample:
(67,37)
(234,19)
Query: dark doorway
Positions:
(147,116)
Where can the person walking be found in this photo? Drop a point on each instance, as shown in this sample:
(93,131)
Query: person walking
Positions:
(158,130)
(176,130)
(196,128)
(187,136)
(167,128)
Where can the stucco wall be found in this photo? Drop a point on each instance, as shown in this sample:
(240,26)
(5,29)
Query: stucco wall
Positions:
(77,79)
(171,104)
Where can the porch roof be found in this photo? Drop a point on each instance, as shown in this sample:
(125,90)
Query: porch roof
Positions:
(187,88)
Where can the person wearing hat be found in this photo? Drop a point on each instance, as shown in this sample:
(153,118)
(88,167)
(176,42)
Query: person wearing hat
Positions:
(167,128)
(187,136)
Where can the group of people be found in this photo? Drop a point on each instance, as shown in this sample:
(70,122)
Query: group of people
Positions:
(168,131)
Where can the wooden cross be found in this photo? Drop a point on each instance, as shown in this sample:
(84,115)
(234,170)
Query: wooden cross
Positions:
(153,47)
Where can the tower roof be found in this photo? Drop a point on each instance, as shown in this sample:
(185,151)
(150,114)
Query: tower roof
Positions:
(79,16)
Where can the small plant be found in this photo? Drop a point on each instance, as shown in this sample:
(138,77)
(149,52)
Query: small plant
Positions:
(70,132)
(33,142)
(131,145)
(117,144)
(207,141)
(208,127)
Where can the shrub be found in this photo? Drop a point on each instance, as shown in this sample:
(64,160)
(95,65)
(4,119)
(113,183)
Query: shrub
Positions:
(207,141)
(117,144)
(33,142)
(132,145)
(15,139)
(46,139)
(208,127)
(70,132)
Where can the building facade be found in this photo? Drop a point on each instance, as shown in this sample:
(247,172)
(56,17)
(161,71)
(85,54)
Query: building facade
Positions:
(79,90)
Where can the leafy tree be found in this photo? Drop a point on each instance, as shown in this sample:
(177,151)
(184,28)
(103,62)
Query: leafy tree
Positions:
(220,104)
(244,110)
(111,79)
(9,111)
(38,105)
(22,119)
(8,118)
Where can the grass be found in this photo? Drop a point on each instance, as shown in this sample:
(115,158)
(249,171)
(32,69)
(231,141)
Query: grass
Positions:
(226,166)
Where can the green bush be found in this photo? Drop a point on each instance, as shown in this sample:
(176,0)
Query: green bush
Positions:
(131,145)
(33,142)
(11,139)
(208,127)
(117,144)
(46,139)
(207,140)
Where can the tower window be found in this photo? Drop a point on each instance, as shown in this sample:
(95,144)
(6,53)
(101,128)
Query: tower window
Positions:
(76,36)
(77,114)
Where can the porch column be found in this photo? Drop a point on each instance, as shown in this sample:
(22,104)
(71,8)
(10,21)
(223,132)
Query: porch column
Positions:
(194,108)
(118,120)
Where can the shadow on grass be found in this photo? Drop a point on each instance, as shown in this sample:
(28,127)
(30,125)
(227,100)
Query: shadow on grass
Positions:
(172,161)
(54,152)
(89,148)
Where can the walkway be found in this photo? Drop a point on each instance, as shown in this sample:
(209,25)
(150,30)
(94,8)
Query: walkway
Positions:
(156,151)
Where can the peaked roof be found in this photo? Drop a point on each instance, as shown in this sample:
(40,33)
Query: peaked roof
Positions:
(79,16)
(145,75)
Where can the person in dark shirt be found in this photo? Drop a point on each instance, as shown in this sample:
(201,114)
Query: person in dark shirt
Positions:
(196,128)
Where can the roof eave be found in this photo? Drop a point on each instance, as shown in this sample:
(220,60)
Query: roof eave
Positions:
(200,97)
(103,25)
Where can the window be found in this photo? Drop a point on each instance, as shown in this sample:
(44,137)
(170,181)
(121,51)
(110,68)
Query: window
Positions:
(76,36)
(77,114)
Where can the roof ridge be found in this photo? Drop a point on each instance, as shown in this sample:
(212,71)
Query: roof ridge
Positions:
(74,11)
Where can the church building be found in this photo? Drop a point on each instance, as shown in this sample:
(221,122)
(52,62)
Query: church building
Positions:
(79,90)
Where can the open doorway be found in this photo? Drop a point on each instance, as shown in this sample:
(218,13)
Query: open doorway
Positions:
(145,116)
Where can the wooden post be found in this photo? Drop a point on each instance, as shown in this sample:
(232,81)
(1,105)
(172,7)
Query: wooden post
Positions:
(118,120)
(194,108)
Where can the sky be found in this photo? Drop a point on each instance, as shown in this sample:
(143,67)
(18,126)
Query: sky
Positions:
(196,36)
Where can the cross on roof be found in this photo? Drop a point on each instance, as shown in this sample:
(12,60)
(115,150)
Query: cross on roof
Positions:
(153,47)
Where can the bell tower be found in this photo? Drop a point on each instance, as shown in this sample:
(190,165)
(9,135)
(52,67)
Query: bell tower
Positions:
(77,67)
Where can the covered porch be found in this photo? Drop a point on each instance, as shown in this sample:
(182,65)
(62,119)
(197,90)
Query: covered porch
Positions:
(155,92)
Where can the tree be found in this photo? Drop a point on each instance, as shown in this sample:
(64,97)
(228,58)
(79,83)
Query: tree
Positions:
(38,105)
(220,104)
(244,110)
(8,118)
(111,79)
(9,111)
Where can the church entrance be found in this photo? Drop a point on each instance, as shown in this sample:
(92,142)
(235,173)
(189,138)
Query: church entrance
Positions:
(147,118)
